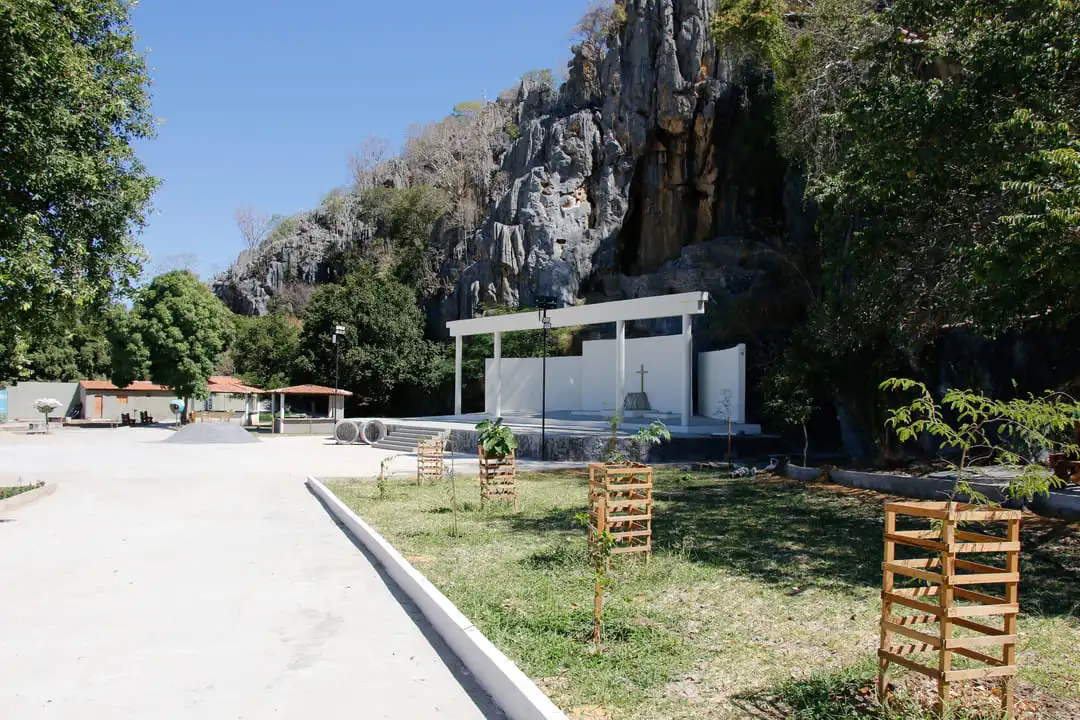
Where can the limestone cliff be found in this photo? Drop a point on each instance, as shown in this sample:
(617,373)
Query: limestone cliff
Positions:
(661,144)
(650,170)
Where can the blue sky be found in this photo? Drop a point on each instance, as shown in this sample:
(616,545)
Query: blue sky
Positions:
(261,103)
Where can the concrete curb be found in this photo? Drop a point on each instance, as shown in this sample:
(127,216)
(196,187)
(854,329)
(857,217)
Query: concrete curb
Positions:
(510,688)
(1060,504)
(22,499)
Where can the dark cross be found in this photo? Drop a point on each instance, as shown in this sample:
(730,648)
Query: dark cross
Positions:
(642,372)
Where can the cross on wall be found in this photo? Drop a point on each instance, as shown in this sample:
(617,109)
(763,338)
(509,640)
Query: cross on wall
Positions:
(642,372)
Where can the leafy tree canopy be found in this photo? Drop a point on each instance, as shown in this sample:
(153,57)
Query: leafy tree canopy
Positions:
(941,144)
(68,355)
(383,352)
(73,97)
(265,349)
(176,332)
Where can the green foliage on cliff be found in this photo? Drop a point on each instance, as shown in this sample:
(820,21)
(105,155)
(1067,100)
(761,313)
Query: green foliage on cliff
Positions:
(403,220)
(175,334)
(73,97)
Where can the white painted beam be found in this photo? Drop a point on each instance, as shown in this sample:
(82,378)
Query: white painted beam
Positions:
(496,368)
(648,308)
(457,375)
(687,370)
(620,365)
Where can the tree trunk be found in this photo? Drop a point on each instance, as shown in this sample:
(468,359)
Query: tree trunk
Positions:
(806,444)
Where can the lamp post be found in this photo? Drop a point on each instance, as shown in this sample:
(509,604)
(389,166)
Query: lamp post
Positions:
(544,303)
(339,331)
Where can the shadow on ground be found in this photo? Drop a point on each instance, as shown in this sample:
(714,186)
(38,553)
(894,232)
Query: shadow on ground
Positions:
(799,535)
(796,535)
(777,533)
(851,694)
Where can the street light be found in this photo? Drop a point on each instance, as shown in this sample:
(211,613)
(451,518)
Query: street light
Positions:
(339,331)
(543,304)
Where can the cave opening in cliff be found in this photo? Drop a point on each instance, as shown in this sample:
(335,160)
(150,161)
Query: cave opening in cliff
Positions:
(630,235)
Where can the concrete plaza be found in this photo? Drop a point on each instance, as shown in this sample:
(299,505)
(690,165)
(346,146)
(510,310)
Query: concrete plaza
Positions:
(204,581)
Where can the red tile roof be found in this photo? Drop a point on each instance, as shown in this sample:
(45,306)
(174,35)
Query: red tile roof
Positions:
(309,390)
(217,384)
(137,386)
(225,384)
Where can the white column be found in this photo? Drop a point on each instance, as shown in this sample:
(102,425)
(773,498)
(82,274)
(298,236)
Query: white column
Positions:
(457,375)
(688,370)
(281,412)
(620,364)
(496,369)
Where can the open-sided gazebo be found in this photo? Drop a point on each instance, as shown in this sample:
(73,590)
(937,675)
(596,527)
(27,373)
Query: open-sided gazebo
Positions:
(315,395)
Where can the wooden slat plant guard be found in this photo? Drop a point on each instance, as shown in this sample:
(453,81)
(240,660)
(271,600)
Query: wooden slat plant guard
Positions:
(621,502)
(498,479)
(965,619)
(429,460)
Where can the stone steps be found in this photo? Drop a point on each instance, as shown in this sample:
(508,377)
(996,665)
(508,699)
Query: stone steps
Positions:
(403,438)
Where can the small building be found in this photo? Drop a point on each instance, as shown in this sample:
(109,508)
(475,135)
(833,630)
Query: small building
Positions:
(101,400)
(231,399)
(20,399)
(308,409)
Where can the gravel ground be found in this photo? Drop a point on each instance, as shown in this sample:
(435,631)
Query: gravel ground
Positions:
(211,434)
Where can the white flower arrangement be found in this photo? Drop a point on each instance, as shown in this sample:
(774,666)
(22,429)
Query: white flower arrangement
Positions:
(46,405)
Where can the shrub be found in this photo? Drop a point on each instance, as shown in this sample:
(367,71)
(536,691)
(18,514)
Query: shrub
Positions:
(496,439)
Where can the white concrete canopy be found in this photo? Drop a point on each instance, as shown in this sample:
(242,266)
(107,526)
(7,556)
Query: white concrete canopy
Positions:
(683,305)
(648,308)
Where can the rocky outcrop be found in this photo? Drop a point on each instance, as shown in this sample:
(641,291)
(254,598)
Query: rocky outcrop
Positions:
(301,252)
(651,169)
(658,145)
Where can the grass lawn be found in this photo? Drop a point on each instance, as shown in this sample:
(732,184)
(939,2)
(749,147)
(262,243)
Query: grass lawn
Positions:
(6,492)
(761,599)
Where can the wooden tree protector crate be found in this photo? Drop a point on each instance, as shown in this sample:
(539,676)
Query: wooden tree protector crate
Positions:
(938,591)
(429,460)
(498,479)
(621,503)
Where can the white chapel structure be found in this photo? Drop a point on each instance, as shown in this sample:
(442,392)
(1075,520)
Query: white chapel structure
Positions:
(610,374)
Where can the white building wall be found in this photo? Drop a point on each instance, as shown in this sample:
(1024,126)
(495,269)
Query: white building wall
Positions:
(586,382)
(21,399)
(721,377)
(662,358)
(522,380)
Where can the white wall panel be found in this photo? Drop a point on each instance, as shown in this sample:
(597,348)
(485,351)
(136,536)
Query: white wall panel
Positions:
(721,378)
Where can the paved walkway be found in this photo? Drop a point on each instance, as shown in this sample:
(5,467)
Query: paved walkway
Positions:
(202,581)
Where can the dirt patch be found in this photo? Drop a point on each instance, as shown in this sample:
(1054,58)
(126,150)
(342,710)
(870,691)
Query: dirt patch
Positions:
(983,698)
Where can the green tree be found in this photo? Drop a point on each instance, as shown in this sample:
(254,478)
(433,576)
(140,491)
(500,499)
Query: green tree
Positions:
(176,332)
(383,353)
(941,144)
(67,355)
(73,97)
(1010,433)
(468,108)
(265,349)
(790,403)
